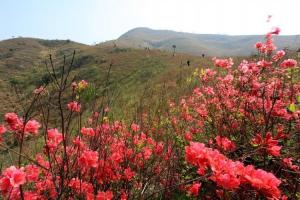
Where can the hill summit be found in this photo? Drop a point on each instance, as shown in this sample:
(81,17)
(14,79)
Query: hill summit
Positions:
(198,44)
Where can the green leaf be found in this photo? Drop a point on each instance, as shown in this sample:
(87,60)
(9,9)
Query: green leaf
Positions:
(298,99)
(292,107)
(89,93)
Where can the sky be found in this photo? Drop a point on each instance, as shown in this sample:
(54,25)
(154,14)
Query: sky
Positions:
(94,21)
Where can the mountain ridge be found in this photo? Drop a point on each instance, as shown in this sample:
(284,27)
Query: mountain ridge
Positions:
(189,43)
(196,44)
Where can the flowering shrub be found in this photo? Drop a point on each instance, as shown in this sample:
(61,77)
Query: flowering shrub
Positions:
(229,174)
(234,137)
(249,119)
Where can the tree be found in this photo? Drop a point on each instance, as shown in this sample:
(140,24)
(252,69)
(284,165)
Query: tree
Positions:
(174,47)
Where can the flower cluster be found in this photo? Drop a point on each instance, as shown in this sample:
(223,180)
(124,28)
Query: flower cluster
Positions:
(270,144)
(225,143)
(74,106)
(12,178)
(15,123)
(224,63)
(230,174)
(249,113)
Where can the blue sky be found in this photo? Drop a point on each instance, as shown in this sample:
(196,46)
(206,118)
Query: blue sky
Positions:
(90,21)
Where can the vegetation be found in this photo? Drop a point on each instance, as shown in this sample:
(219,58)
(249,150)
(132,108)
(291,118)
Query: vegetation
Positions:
(227,132)
(197,44)
(26,68)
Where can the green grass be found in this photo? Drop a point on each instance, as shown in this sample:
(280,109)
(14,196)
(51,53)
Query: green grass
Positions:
(132,70)
(138,78)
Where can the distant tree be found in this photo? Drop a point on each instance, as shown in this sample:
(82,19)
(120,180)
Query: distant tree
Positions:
(203,55)
(174,47)
(188,62)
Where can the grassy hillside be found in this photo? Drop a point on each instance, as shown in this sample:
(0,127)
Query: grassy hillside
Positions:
(138,77)
(22,67)
(196,44)
(238,130)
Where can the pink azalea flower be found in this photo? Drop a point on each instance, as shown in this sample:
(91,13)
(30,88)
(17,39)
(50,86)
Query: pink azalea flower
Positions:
(74,106)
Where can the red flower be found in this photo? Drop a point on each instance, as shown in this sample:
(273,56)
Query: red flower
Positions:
(12,178)
(159,148)
(188,136)
(135,127)
(258,45)
(74,106)
(263,181)
(2,130)
(147,153)
(11,118)
(88,159)
(14,122)
(108,195)
(228,78)
(32,196)
(194,189)
(263,63)
(288,63)
(229,174)
(225,143)
(54,138)
(124,196)
(269,143)
(278,55)
(224,63)
(128,173)
(32,173)
(274,150)
(288,163)
(275,31)
(227,180)
(32,127)
(87,131)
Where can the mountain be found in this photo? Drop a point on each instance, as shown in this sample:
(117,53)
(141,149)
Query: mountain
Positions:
(197,44)
(22,66)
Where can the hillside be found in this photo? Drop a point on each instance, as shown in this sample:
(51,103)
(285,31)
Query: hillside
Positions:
(197,44)
(22,67)
(172,131)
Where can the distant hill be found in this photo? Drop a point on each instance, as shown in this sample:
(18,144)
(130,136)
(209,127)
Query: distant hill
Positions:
(197,44)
